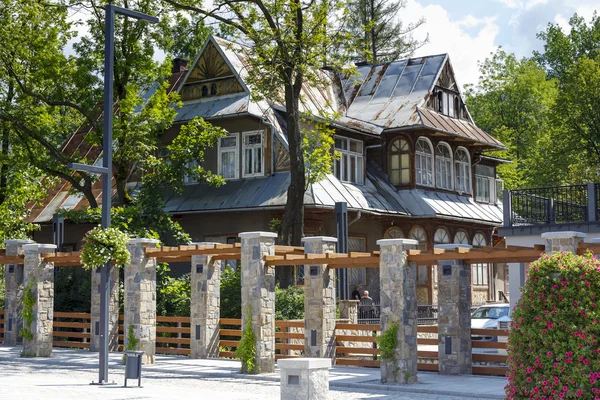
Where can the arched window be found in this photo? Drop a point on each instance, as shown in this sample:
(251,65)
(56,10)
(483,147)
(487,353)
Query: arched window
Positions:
(419,234)
(394,233)
(399,162)
(424,162)
(204,91)
(213,89)
(479,240)
(456,107)
(441,236)
(461,237)
(443,166)
(462,170)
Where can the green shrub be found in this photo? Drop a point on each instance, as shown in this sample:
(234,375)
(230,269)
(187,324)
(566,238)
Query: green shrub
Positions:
(289,303)
(246,350)
(231,294)
(553,342)
(27,313)
(388,342)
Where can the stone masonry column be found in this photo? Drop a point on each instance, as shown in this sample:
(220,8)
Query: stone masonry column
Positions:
(39,278)
(140,297)
(454,314)
(113,311)
(205,305)
(349,310)
(398,293)
(319,300)
(563,241)
(258,295)
(13,294)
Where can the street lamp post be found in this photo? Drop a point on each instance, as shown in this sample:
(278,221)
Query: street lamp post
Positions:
(106,170)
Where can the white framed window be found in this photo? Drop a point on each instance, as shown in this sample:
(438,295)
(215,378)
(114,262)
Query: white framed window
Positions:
(424,162)
(358,276)
(462,170)
(451,105)
(228,157)
(349,168)
(441,236)
(187,178)
(443,166)
(479,272)
(394,233)
(461,237)
(485,184)
(399,162)
(418,233)
(252,150)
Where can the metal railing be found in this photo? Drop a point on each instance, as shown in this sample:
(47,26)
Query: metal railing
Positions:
(551,205)
(427,314)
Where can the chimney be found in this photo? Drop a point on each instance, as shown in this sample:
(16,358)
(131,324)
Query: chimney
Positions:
(179,65)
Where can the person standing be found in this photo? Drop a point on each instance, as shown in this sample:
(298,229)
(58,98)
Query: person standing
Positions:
(356,293)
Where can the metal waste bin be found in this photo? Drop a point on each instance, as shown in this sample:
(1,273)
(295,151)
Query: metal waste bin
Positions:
(133,366)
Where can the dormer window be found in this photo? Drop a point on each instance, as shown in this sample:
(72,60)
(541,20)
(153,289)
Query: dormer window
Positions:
(349,167)
(443,166)
(253,154)
(440,104)
(399,162)
(424,162)
(204,91)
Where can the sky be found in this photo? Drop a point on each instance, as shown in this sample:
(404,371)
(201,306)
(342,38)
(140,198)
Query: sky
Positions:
(469,30)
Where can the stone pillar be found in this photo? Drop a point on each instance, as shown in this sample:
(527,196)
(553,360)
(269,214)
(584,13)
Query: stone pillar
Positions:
(113,311)
(13,294)
(304,378)
(563,241)
(258,295)
(398,293)
(349,310)
(39,279)
(205,281)
(454,314)
(319,300)
(140,298)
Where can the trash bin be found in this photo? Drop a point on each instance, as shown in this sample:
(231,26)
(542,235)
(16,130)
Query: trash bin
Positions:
(133,366)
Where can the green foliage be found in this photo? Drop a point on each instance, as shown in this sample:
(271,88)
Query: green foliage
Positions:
(27,313)
(317,142)
(132,341)
(553,341)
(173,296)
(73,288)
(388,342)
(2,289)
(101,245)
(231,294)
(289,303)
(246,350)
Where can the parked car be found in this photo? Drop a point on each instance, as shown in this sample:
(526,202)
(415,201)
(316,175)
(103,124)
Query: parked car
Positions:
(486,317)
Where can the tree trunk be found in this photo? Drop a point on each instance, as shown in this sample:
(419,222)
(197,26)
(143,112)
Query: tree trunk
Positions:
(292,223)
(373,44)
(121,184)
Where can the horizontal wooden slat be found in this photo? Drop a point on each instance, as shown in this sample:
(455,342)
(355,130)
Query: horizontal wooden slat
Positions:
(161,318)
(489,332)
(427,329)
(68,324)
(289,324)
(427,354)
(356,363)
(428,367)
(172,329)
(355,350)
(499,371)
(170,350)
(79,335)
(359,327)
(230,332)
(285,346)
(60,314)
(490,357)
(430,342)
(289,335)
(227,354)
(1,311)
(172,340)
(77,345)
(488,345)
(352,338)
(1,330)
(230,321)
(229,343)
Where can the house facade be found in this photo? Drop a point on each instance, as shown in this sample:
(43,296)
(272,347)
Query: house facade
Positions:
(412,162)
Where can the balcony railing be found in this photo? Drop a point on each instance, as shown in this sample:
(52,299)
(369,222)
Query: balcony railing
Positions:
(552,205)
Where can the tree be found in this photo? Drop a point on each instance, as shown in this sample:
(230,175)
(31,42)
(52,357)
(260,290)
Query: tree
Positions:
(513,101)
(377,35)
(290,40)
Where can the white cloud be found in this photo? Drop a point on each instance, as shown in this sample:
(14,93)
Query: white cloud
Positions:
(467,40)
(511,3)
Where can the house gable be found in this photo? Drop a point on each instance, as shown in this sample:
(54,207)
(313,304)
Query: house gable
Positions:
(210,76)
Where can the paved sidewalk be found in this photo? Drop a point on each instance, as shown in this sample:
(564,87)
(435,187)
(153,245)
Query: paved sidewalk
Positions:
(479,387)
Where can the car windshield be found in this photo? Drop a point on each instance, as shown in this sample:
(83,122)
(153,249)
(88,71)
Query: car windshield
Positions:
(490,312)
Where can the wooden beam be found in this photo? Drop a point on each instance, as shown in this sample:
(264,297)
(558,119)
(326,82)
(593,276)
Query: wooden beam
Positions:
(478,256)
(12,260)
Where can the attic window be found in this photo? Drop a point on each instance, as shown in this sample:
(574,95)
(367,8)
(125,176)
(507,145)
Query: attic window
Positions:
(204,91)
(440,105)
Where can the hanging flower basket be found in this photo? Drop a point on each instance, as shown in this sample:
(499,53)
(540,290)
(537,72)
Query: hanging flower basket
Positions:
(104,244)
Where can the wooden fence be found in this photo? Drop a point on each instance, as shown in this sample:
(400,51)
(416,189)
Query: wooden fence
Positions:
(2,324)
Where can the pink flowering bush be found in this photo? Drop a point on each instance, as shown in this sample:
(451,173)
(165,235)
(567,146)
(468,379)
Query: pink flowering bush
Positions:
(553,347)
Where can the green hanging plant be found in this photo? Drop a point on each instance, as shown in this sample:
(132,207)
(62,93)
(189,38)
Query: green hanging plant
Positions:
(27,313)
(132,341)
(101,245)
(388,342)
(246,351)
